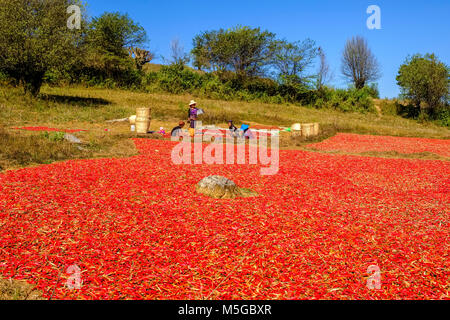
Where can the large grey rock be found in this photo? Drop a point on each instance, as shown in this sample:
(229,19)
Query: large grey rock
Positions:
(219,187)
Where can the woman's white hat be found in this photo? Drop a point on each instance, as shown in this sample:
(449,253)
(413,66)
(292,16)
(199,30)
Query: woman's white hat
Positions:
(192,102)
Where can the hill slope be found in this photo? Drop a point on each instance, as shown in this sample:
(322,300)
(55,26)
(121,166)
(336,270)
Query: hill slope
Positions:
(89,105)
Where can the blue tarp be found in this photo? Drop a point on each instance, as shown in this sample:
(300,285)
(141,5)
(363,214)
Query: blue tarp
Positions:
(245,127)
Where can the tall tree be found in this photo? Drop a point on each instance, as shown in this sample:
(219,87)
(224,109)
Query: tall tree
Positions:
(291,59)
(243,50)
(359,65)
(425,79)
(109,40)
(35,38)
(114,33)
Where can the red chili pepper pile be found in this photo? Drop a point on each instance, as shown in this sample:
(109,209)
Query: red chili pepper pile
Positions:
(348,142)
(49,129)
(137,229)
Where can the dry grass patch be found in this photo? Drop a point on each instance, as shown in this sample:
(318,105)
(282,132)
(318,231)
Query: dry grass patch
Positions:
(18,290)
(20,148)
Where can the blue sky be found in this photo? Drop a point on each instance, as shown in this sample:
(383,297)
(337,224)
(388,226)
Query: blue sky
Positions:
(408,27)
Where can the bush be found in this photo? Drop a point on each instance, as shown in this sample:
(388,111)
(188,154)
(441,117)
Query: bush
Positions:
(176,78)
(409,111)
(391,108)
(373,91)
(350,100)
(53,136)
(3,77)
(442,115)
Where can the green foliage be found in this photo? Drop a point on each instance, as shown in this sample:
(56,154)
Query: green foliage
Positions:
(244,50)
(350,100)
(4,78)
(425,80)
(53,136)
(373,91)
(35,38)
(390,107)
(107,62)
(291,59)
(112,33)
(179,79)
(443,115)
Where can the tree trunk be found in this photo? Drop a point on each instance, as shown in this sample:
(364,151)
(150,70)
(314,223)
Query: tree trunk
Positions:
(359,84)
(32,83)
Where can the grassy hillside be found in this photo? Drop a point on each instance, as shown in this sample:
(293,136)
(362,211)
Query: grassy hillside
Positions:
(89,108)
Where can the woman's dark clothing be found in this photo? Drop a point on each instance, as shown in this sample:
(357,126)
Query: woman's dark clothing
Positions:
(176,132)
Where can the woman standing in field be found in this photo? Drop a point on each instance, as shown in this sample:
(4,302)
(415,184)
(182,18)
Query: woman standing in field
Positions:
(192,116)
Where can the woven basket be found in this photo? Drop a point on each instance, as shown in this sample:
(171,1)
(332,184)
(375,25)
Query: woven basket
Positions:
(142,120)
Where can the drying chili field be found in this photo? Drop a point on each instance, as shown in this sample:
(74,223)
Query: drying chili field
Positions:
(137,230)
(357,143)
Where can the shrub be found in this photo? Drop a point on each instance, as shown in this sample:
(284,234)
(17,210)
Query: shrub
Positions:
(176,78)
(3,77)
(391,108)
(53,136)
(442,115)
(409,111)
(350,100)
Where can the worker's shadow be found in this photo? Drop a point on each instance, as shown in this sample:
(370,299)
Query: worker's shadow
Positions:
(75,101)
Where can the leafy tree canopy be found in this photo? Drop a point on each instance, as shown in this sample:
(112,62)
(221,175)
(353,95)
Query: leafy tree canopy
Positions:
(425,79)
(114,33)
(243,50)
(34,38)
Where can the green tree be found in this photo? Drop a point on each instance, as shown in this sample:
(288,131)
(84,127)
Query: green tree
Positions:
(114,33)
(291,59)
(243,50)
(110,38)
(35,38)
(424,79)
